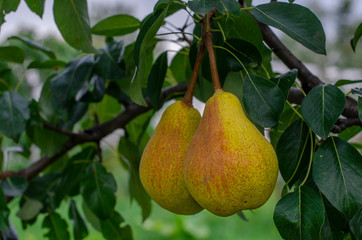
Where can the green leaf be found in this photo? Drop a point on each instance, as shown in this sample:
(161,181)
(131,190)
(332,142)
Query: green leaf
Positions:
(242,27)
(109,107)
(71,176)
(322,107)
(337,171)
(48,64)
(73,114)
(30,209)
(172,6)
(345,82)
(180,66)
(131,154)
(4,212)
(355,225)
(356,37)
(263,100)
(296,21)
(112,230)
(145,37)
(65,86)
(98,188)
(13,186)
(91,217)
(137,129)
(156,79)
(204,89)
(117,25)
(204,6)
(299,215)
(50,142)
(43,189)
(334,224)
(107,62)
(285,81)
(28,42)
(12,54)
(45,107)
(9,5)
(14,111)
(246,53)
(234,83)
(80,230)
(57,227)
(293,151)
(287,117)
(37,6)
(72,20)
(350,132)
(92,91)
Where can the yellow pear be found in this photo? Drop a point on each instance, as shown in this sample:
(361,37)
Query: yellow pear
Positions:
(229,165)
(161,167)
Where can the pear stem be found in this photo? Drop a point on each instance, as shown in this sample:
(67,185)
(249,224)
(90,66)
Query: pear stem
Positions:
(187,99)
(207,37)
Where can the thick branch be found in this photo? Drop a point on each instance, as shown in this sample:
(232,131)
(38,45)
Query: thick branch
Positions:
(342,124)
(295,95)
(308,79)
(94,134)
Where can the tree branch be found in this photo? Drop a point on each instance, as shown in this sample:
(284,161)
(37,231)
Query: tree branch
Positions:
(308,79)
(93,134)
(342,124)
(296,96)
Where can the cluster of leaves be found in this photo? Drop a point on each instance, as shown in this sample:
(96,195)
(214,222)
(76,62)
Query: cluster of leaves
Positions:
(321,197)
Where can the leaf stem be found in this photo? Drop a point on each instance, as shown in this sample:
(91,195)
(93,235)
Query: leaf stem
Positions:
(237,59)
(290,105)
(266,71)
(21,80)
(222,31)
(300,88)
(187,99)
(310,159)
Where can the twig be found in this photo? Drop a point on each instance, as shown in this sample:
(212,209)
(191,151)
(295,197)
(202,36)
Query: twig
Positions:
(94,134)
(99,149)
(207,36)
(58,130)
(195,74)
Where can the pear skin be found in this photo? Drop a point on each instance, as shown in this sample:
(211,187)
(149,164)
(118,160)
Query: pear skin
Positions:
(229,165)
(161,167)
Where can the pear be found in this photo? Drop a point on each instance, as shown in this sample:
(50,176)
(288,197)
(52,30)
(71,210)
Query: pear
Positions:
(229,165)
(161,166)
